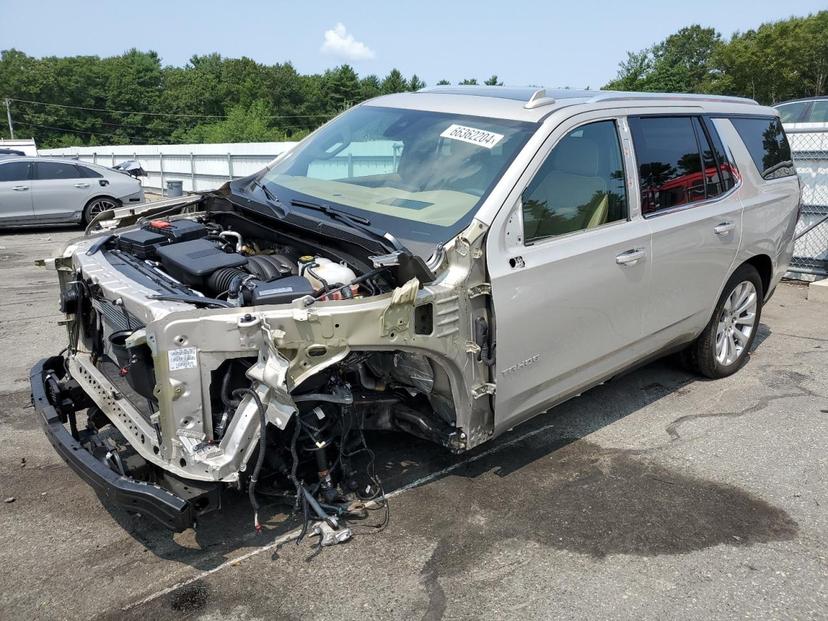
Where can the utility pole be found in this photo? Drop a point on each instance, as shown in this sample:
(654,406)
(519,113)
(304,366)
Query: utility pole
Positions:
(8,116)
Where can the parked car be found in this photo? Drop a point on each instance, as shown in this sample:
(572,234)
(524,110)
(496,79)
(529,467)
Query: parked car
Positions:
(10,153)
(447,264)
(809,110)
(36,190)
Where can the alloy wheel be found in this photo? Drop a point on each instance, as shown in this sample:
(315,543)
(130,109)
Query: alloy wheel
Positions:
(736,323)
(100,205)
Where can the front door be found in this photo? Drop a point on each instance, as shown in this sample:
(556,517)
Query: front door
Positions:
(570,274)
(15,192)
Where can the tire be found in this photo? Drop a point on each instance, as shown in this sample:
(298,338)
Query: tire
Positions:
(724,345)
(97,205)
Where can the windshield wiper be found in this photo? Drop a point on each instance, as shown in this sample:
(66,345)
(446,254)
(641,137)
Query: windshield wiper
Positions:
(270,196)
(330,211)
(354,221)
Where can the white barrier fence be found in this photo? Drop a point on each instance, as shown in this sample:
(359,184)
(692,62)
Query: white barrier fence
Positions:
(198,166)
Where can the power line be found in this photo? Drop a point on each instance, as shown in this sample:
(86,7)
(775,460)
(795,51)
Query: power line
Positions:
(65,129)
(171,114)
(93,133)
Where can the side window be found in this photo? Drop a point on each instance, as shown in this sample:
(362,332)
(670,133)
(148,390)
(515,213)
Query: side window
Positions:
(727,169)
(669,162)
(581,185)
(768,146)
(792,112)
(710,168)
(56,170)
(14,171)
(818,113)
(89,173)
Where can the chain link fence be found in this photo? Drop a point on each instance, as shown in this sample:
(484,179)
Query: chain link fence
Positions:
(810,154)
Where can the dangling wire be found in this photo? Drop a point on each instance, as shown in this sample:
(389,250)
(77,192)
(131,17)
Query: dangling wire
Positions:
(251,486)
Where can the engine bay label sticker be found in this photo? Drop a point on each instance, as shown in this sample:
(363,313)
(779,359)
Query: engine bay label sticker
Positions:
(184,358)
(480,137)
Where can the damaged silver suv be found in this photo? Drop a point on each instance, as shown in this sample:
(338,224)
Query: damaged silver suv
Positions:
(447,264)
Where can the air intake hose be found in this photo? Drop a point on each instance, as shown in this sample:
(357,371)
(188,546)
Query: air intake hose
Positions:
(219,281)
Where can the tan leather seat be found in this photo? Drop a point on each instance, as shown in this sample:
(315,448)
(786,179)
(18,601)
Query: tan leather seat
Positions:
(572,195)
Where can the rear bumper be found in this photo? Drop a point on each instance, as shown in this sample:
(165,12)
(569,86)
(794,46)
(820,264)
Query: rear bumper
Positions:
(133,199)
(134,496)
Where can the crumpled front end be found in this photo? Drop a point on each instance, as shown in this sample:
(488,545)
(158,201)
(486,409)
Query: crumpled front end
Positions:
(171,384)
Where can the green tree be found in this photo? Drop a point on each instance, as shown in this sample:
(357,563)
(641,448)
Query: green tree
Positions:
(415,83)
(443,83)
(682,63)
(243,124)
(370,87)
(394,82)
(342,88)
(469,82)
(492,81)
(632,72)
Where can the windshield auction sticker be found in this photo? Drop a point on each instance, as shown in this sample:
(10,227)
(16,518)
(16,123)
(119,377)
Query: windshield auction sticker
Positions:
(480,137)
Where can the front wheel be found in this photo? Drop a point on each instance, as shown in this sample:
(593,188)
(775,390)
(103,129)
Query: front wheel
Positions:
(724,345)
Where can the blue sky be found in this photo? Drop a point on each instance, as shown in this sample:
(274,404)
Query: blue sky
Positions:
(576,43)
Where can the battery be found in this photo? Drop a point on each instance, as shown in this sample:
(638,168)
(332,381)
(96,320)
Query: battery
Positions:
(141,243)
(177,230)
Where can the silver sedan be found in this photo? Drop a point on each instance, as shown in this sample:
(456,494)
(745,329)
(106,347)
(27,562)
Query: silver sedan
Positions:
(51,191)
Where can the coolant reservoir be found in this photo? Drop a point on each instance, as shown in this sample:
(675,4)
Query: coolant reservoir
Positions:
(324,269)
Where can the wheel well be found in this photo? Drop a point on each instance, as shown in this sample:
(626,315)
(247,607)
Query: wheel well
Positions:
(96,197)
(764,266)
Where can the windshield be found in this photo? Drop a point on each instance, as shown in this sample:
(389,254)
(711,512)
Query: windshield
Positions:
(417,175)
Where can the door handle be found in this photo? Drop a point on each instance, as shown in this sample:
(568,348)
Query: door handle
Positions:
(81,185)
(630,257)
(20,188)
(724,228)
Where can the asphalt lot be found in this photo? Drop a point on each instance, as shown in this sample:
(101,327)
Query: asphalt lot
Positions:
(657,495)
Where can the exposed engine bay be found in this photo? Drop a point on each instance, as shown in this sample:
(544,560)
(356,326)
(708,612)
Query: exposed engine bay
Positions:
(212,349)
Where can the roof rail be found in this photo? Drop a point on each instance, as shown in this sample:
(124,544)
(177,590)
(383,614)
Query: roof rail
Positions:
(532,97)
(535,97)
(633,96)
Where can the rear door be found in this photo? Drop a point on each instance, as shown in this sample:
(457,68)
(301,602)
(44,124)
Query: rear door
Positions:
(569,266)
(687,186)
(15,192)
(60,191)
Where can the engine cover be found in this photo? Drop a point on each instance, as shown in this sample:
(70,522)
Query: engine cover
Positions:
(192,262)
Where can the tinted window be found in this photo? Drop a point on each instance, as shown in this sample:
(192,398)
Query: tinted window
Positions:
(792,112)
(579,186)
(669,164)
(88,172)
(14,171)
(765,140)
(818,114)
(727,170)
(56,170)
(712,179)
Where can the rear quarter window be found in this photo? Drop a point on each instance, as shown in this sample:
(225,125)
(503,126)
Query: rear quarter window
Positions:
(767,144)
(88,172)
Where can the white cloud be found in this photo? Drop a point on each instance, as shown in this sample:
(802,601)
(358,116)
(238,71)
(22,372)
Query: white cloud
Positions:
(339,42)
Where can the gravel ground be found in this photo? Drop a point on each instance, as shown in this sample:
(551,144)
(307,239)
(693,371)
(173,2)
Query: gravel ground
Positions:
(657,495)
